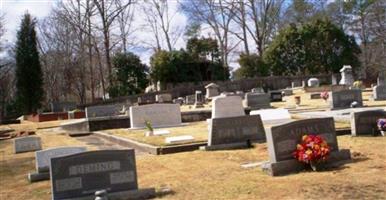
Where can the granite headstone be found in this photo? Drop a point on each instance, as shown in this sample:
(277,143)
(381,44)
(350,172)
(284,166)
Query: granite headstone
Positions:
(159,115)
(26,144)
(344,98)
(257,100)
(365,122)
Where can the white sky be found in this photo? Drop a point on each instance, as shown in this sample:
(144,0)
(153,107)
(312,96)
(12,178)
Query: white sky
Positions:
(14,10)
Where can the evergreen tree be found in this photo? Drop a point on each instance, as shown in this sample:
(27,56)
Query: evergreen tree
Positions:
(29,76)
(129,75)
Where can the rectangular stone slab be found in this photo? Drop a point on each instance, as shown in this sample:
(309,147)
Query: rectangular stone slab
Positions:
(282,139)
(80,175)
(159,115)
(344,98)
(257,100)
(379,92)
(179,139)
(236,130)
(25,144)
(43,157)
(106,110)
(365,122)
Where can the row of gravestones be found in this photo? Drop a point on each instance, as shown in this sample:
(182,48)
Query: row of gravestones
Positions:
(78,174)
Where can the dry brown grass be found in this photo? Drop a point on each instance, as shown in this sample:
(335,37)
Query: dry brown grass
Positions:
(218,175)
(199,130)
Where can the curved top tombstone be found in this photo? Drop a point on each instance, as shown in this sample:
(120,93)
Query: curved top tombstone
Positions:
(212,85)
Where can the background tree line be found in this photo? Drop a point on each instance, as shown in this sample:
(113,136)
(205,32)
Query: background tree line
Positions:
(89,48)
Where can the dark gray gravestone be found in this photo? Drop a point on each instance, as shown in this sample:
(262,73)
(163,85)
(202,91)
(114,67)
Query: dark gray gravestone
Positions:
(25,144)
(231,132)
(107,110)
(276,96)
(379,92)
(344,98)
(282,140)
(81,175)
(365,122)
(257,100)
(315,96)
(62,106)
(189,100)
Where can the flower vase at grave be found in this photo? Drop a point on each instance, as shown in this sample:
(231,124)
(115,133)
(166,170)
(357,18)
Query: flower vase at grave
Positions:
(317,166)
(297,101)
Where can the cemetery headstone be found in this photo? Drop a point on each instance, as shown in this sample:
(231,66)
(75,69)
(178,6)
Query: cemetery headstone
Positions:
(179,100)
(62,106)
(344,98)
(26,144)
(257,100)
(43,156)
(334,80)
(271,116)
(235,132)
(163,98)
(106,110)
(313,82)
(379,92)
(42,159)
(365,122)
(257,90)
(159,115)
(81,175)
(283,139)
(199,99)
(190,99)
(240,94)
(179,139)
(287,92)
(315,95)
(347,76)
(212,90)
(227,106)
(276,96)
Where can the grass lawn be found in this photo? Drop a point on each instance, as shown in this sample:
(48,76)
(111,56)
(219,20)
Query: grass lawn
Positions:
(199,130)
(218,175)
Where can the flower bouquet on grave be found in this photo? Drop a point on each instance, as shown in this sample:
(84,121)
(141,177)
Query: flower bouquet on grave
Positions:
(381,123)
(149,127)
(313,150)
(324,95)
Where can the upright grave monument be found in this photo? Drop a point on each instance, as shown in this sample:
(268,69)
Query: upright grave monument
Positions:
(79,176)
(159,115)
(42,159)
(257,100)
(379,91)
(283,139)
(347,76)
(26,144)
(235,132)
(227,106)
(106,110)
(212,90)
(365,122)
(344,98)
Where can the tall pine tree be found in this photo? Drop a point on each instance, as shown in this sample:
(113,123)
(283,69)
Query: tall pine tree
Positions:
(29,76)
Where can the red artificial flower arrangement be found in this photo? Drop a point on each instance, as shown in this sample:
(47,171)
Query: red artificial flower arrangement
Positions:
(324,95)
(312,149)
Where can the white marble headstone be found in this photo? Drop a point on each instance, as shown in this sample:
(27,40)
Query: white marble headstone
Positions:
(272,115)
(159,115)
(227,106)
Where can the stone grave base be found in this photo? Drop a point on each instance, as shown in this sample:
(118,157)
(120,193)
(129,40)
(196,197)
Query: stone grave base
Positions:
(291,166)
(145,193)
(239,145)
(38,176)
